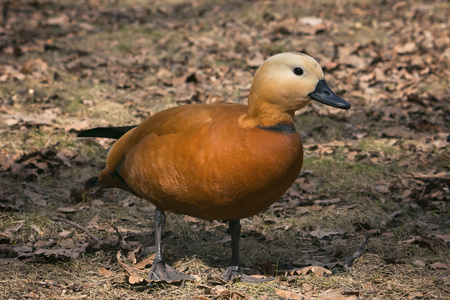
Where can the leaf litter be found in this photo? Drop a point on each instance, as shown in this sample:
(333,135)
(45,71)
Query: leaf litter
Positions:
(379,170)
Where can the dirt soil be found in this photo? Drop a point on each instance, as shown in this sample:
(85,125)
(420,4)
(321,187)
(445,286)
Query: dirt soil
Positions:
(368,217)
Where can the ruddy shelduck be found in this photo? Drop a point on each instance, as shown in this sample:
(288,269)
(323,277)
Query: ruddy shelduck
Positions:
(218,161)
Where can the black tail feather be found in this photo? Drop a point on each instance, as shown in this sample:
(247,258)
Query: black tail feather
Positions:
(106,132)
(91,182)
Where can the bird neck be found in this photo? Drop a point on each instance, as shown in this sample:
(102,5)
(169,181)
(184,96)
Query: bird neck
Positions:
(265,114)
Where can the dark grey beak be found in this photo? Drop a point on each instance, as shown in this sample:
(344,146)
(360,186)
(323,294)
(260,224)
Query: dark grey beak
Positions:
(325,95)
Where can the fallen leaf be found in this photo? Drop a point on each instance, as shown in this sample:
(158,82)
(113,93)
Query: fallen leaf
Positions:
(105,273)
(36,198)
(6,249)
(439,266)
(420,263)
(200,297)
(54,255)
(415,295)
(135,279)
(288,294)
(327,201)
(397,132)
(444,237)
(338,294)
(316,270)
(255,60)
(321,233)
(34,65)
(319,271)
(145,262)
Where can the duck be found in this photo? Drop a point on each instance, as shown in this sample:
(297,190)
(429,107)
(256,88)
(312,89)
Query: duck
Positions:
(219,161)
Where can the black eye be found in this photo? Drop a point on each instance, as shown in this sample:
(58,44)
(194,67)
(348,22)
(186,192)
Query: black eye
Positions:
(298,71)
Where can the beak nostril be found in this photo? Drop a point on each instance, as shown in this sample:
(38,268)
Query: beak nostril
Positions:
(328,93)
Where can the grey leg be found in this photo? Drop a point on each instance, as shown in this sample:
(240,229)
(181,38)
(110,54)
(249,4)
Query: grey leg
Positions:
(160,271)
(234,270)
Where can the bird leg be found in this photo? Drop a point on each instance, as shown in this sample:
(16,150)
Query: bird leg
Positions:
(160,270)
(234,270)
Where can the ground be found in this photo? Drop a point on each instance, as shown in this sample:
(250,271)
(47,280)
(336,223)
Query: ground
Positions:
(375,178)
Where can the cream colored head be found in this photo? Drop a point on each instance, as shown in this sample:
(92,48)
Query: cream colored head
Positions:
(285,83)
(276,82)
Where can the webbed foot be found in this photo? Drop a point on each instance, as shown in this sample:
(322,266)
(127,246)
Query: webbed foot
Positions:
(160,271)
(232,273)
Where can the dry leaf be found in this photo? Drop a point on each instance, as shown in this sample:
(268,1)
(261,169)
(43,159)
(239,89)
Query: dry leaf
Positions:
(338,294)
(444,237)
(135,279)
(255,60)
(327,201)
(288,294)
(200,297)
(145,262)
(439,266)
(106,273)
(397,132)
(319,271)
(321,233)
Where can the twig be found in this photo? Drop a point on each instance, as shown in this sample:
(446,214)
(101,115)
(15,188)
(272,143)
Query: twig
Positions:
(48,284)
(358,253)
(129,269)
(118,233)
(77,226)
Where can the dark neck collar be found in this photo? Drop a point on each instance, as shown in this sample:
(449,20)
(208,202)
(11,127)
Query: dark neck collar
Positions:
(283,128)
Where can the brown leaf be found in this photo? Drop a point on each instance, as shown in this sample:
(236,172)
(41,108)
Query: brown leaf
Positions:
(68,210)
(288,294)
(105,273)
(200,297)
(255,60)
(68,244)
(321,233)
(7,249)
(441,175)
(127,268)
(37,199)
(382,188)
(61,20)
(34,65)
(135,279)
(145,262)
(64,159)
(54,255)
(42,243)
(338,294)
(319,271)
(216,281)
(397,132)
(316,270)
(4,238)
(407,48)
(415,295)
(444,237)
(327,201)
(439,266)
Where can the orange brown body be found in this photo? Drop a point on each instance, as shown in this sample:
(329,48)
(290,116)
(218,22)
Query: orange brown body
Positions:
(197,160)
